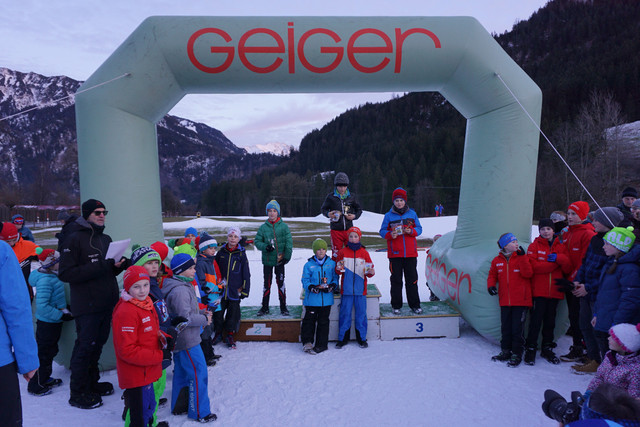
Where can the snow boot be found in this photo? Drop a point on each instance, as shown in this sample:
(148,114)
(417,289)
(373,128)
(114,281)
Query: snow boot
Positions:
(576,353)
(342,343)
(319,349)
(363,344)
(308,348)
(503,356)
(208,418)
(85,400)
(53,382)
(433,297)
(162,402)
(263,311)
(102,388)
(530,356)
(588,368)
(217,338)
(396,311)
(548,354)
(36,389)
(417,310)
(231,343)
(515,360)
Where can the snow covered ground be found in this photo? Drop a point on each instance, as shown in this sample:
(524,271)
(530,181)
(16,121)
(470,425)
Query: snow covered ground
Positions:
(425,382)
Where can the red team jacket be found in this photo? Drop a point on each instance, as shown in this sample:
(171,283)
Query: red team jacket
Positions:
(545,272)
(576,239)
(137,344)
(513,279)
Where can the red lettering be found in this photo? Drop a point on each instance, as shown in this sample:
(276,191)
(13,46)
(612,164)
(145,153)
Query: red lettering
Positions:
(352,50)
(400,38)
(243,49)
(338,51)
(214,49)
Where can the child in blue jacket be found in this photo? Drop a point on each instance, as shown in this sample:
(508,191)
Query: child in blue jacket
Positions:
(51,311)
(319,280)
(211,286)
(355,266)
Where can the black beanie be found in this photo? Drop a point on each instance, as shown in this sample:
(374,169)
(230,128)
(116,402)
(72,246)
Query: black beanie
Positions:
(545,222)
(89,206)
(629,192)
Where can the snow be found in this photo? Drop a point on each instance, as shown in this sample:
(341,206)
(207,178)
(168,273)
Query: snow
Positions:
(430,382)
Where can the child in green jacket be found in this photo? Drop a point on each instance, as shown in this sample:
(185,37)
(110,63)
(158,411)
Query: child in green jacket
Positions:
(275,242)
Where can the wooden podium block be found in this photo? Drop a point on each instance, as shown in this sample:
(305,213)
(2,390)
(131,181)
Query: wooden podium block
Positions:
(439,319)
(271,327)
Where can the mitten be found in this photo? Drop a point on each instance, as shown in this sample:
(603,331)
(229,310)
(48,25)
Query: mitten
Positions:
(67,316)
(552,257)
(314,289)
(177,320)
(269,248)
(492,291)
(520,251)
(204,299)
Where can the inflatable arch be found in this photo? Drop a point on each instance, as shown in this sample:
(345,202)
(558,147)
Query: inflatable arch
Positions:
(166,58)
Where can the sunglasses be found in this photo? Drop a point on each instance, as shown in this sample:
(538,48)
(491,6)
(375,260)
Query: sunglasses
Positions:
(98,213)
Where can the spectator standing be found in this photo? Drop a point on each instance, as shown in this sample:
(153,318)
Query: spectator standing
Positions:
(18,221)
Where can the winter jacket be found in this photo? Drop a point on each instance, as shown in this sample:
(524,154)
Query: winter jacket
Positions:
(136,342)
(576,239)
(312,274)
(589,272)
(622,370)
(544,272)
(234,268)
(512,276)
(209,278)
(405,245)
(26,233)
(91,277)
(618,299)
(157,296)
(17,339)
(354,279)
(25,250)
(50,298)
(346,204)
(181,300)
(278,233)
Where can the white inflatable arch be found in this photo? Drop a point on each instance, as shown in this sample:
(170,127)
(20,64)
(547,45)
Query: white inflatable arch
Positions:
(168,57)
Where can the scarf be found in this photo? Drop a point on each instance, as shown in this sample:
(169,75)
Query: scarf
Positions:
(354,246)
(340,196)
(146,304)
(400,211)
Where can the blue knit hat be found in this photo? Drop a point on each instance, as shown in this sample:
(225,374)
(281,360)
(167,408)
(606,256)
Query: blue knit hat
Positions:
(181,263)
(190,230)
(273,205)
(505,239)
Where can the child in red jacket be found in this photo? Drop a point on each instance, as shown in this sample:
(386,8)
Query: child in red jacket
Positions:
(549,259)
(138,345)
(511,271)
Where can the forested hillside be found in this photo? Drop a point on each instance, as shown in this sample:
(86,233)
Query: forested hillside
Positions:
(584,57)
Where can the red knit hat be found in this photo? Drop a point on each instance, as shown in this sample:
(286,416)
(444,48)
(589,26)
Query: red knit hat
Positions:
(399,193)
(134,274)
(354,230)
(161,248)
(580,208)
(45,253)
(9,231)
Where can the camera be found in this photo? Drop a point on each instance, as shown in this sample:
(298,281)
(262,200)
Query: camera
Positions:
(557,408)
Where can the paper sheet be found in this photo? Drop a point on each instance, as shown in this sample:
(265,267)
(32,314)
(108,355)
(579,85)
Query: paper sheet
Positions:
(116,249)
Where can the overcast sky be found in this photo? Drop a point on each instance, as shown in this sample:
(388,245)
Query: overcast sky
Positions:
(73,38)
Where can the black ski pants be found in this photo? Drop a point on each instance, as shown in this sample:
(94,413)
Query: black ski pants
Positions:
(512,325)
(267,272)
(316,322)
(543,315)
(47,337)
(92,331)
(11,404)
(407,267)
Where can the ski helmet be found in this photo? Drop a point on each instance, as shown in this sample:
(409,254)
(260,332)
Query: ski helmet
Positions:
(341,179)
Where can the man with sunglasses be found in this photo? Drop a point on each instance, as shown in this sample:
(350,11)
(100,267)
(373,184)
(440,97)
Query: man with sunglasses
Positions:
(94,293)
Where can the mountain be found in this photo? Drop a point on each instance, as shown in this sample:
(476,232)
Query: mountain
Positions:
(38,150)
(582,54)
(277,148)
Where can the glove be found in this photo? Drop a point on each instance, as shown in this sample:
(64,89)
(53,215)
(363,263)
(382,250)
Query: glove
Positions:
(552,257)
(314,288)
(269,248)
(66,317)
(336,289)
(520,251)
(564,285)
(331,288)
(204,299)
(177,320)
(243,295)
(493,291)
(171,343)
(166,355)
